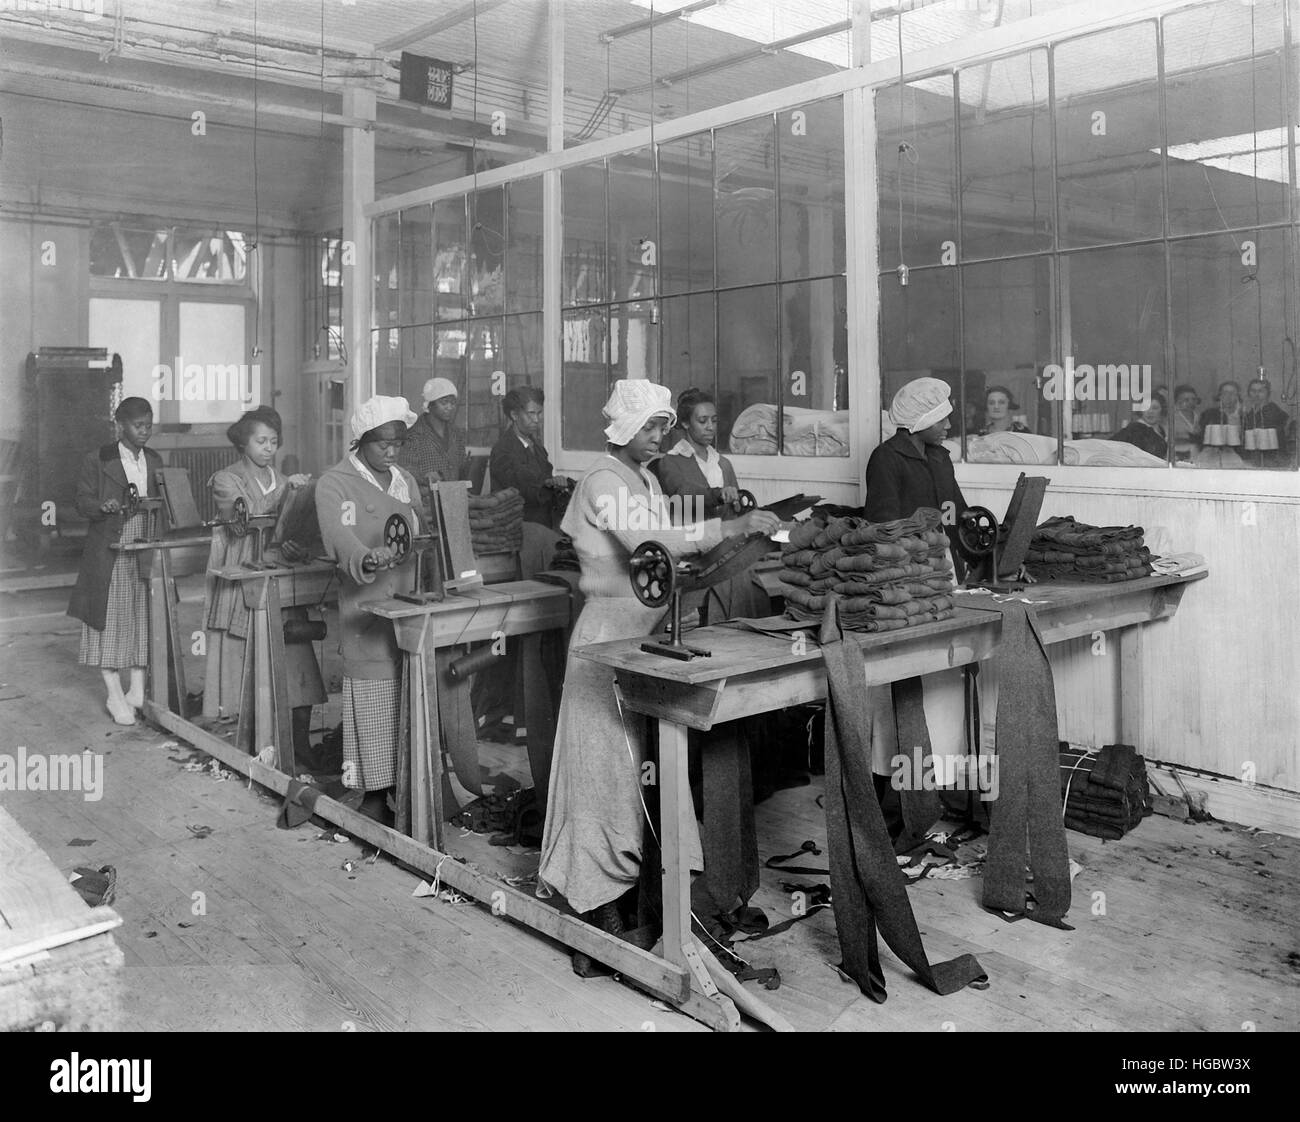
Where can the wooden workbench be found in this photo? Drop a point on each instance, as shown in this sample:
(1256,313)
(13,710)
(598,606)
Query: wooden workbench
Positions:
(264,711)
(433,631)
(751,673)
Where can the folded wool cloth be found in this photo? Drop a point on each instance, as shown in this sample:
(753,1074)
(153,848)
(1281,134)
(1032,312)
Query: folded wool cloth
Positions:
(794,576)
(1129,810)
(824,562)
(876,594)
(883,551)
(1116,765)
(804,534)
(498,498)
(798,558)
(864,568)
(1094,828)
(856,621)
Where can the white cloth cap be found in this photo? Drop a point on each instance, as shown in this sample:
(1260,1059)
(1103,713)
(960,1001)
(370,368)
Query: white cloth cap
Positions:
(378,411)
(920,404)
(633,402)
(436,388)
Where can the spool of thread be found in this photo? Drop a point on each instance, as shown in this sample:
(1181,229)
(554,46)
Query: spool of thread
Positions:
(473,662)
(304,630)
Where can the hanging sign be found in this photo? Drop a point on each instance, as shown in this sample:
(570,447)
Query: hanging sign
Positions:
(426,81)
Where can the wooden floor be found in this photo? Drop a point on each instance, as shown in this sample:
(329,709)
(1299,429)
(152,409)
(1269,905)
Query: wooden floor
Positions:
(231,923)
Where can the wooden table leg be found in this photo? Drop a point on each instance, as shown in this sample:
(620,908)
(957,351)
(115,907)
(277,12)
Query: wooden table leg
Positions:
(281,716)
(537,714)
(674,804)
(176,653)
(159,665)
(1132,700)
(263,707)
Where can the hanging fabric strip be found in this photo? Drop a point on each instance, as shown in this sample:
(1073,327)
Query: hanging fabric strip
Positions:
(868,890)
(1027,854)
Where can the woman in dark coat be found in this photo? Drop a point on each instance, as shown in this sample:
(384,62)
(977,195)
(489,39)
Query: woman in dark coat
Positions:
(1148,431)
(913,469)
(110,598)
(519,459)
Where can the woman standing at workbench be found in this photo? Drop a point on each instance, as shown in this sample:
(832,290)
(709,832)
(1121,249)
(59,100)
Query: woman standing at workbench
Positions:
(253,478)
(110,599)
(591,850)
(354,499)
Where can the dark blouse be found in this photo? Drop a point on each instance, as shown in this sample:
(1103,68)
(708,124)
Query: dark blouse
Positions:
(526,469)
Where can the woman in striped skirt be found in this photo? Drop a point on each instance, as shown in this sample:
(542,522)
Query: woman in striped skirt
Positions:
(110,598)
(354,499)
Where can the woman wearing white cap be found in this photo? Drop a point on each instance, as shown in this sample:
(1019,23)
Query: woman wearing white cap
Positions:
(591,849)
(913,469)
(353,501)
(435,444)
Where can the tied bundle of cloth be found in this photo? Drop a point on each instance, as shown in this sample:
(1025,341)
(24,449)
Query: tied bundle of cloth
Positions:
(1105,793)
(1063,549)
(496,522)
(889,575)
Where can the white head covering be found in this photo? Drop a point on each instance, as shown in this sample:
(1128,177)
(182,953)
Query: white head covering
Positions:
(436,388)
(920,404)
(633,402)
(378,411)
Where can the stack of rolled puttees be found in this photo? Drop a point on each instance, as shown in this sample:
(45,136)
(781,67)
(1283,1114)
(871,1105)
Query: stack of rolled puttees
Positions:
(496,522)
(1063,549)
(888,575)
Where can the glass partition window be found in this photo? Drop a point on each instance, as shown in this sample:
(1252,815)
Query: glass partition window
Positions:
(1095,245)
(458,296)
(719,265)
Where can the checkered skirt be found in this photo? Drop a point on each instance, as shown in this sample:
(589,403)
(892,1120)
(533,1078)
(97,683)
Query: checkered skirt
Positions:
(124,641)
(371,715)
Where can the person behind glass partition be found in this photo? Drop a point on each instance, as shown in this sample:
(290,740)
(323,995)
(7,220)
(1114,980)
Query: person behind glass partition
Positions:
(1221,423)
(1264,427)
(999,412)
(1184,423)
(1148,430)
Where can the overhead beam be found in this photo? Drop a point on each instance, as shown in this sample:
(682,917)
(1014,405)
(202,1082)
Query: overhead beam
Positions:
(655,21)
(433,26)
(763,50)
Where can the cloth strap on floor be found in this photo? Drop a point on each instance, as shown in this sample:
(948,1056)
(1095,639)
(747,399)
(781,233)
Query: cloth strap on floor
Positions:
(1026,835)
(867,888)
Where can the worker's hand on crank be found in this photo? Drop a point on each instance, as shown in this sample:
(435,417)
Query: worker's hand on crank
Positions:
(299,480)
(731,497)
(112,506)
(380,558)
(758,522)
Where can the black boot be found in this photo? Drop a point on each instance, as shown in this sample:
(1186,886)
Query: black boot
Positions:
(608,918)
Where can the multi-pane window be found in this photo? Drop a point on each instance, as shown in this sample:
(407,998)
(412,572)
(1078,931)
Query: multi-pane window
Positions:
(1095,244)
(458,295)
(718,263)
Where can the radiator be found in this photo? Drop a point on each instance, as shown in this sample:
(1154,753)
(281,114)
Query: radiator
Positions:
(201,463)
